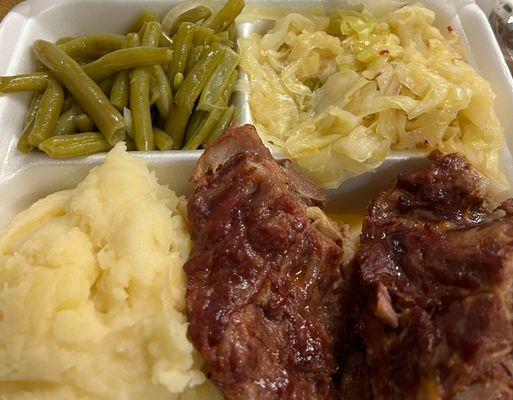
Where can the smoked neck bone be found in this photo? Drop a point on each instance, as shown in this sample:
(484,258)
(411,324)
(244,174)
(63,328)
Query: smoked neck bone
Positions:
(264,278)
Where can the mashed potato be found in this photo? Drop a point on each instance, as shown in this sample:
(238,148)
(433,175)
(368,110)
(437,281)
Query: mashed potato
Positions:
(92,293)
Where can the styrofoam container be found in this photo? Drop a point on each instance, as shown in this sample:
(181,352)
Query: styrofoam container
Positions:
(26,178)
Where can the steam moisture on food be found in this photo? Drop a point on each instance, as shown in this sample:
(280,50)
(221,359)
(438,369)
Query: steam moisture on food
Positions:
(92,293)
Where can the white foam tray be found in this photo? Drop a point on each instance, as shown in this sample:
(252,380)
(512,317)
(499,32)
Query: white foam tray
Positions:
(26,178)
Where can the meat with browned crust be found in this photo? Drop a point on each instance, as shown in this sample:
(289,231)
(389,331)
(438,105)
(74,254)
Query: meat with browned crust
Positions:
(437,266)
(264,278)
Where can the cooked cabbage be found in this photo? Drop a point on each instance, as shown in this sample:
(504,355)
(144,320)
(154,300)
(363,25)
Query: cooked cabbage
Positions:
(337,95)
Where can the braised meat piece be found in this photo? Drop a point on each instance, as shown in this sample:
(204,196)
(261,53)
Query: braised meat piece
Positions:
(437,267)
(264,277)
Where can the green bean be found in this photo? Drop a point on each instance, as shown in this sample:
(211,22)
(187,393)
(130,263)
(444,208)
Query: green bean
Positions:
(215,85)
(154,91)
(226,15)
(193,15)
(161,83)
(23,144)
(334,26)
(221,126)
(24,83)
(193,58)
(145,16)
(203,36)
(84,123)
(140,107)
(182,43)
(48,113)
(142,30)
(120,92)
(66,123)
(151,34)
(162,140)
(106,85)
(232,32)
(214,117)
(189,91)
(63,40)
(164,88)
(177,81)
(79,144)
(126,59)
(82,87)
(197,118)
(91,47)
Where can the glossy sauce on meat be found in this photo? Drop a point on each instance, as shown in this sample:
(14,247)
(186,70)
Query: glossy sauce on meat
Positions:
(264,278)
(436,265)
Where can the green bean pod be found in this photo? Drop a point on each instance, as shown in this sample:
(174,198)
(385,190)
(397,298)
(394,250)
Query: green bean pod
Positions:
(193,58)
(226,15)
(203,36)
(193,15)
(84,123)
(66,123)
(217,82)
(140,107)
(126,59)
(120,92)
(48,113)
(79,144)
(196,120)
(214,117)
(164,88)
(162,140)
(106,85)
(23,144)
(182,43)
(221,126)
(86,48)
(35,82)
(189,91)
(152,34)
(145,16)
(82,87)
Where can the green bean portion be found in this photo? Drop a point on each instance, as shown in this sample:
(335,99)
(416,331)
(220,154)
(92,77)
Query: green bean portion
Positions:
(67,121)
(126,59)
(189,91)
(140,106)
(82,87)
(226,15)
(120,92)
(23,144)
(221,126)
(165,85)
(35,82)
(200,13)
(87,48)
(84,123)
(193,58)
(217,82)
(77,145)
(182,44)
(48,113)
(162,140)
(145,16)
(214,117)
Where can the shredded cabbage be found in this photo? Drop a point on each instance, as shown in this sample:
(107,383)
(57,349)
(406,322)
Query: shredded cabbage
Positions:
(337,95)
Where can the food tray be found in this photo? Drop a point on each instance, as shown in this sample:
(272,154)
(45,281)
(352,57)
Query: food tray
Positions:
(26,178)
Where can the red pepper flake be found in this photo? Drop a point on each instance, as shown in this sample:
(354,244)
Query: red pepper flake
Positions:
(384,53)
(175,103)
(450,29)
